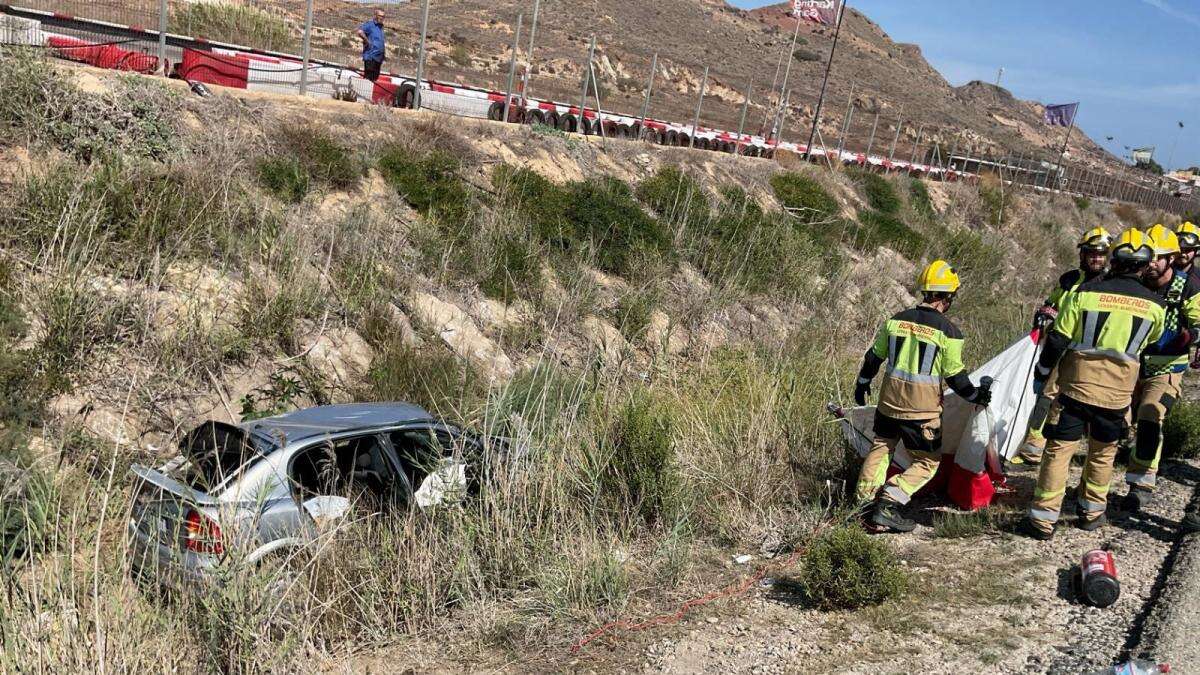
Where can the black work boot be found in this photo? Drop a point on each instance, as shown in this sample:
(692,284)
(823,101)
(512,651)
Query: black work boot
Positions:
(1136,499)
(1191,521)
(1028,529)
(887,518)
(1093,524)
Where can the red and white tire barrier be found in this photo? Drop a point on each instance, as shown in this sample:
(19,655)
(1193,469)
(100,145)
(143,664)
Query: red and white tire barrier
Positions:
(254,70)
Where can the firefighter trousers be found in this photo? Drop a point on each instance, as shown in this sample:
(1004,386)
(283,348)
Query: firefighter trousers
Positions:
(1155,396)
(1068,423)
(923,441)
(1035,439)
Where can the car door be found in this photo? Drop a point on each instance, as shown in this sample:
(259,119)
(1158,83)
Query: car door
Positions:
(435,460)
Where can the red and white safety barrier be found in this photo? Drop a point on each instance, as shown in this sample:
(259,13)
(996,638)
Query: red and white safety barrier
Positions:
(253,70)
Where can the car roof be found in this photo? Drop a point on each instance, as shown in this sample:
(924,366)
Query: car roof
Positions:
(326,420)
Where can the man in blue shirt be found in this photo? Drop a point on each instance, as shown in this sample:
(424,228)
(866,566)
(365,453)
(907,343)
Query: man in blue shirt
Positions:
(371,34)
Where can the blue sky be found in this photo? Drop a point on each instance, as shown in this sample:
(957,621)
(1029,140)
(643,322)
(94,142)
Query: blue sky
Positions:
(1130,63)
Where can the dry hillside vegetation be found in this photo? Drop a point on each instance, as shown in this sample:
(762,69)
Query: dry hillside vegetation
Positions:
(662,327)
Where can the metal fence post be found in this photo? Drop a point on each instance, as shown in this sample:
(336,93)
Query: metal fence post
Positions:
(512,68)
(846,122)
(874,128)
(699,103)
(421,55)
(920,131)
(537,5)
(587,76)
(953,152)
(896,138)
(649,91)
(307,48)
(162,35)
(737,149)
(787,99)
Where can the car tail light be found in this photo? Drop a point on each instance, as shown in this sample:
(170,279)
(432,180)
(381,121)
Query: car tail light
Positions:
(203,535)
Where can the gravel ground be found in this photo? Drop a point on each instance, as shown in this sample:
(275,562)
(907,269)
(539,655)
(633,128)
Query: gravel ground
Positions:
(1171,630)
(995,603)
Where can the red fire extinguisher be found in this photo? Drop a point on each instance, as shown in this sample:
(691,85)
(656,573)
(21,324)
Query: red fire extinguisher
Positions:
(1098,578)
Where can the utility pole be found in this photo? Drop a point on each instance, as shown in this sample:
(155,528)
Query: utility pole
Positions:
(825,81)
(162,36)
(421,55)
(649,90)
(699,104)
(512,69)
(737,149)
(587,76)
(307,48)
(537,5)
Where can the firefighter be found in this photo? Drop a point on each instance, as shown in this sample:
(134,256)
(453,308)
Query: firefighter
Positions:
(1096,343)
(1163,364)
(1093,261)
(923,353)
(1189,243)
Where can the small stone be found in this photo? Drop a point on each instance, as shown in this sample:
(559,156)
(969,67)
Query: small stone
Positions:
(713,619)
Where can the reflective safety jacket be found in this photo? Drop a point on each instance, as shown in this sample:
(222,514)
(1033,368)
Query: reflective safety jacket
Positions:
(1068,283)
(1169,354)
(1099,337)
(923,353)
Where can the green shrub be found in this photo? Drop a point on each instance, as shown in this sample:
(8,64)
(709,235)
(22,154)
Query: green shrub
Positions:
(881,229)
(539,396)
(432,185)
(28,501)
(542,202)
(803,55)
(971,254)
(138,117)
(283,177)
(762,253)
(240,24)
(918,197)
(637,473)
(847,569)
(326,161)
(632,313)
(675,197)
(879,191)
(1129,215)
(515,268)
(620,236)
(430,377)
(804,198)
(996,200)
(1181,430)
(137,214)
(1083,203)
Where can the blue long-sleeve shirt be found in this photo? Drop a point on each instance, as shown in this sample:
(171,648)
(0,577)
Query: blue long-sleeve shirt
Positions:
(374,49)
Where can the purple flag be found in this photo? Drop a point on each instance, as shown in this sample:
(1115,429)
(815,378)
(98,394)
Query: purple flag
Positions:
(1062,115)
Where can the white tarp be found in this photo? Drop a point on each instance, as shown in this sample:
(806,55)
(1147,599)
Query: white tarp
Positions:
(979,437)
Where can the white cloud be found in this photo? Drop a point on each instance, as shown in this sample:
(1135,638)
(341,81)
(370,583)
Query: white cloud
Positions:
(1162,6)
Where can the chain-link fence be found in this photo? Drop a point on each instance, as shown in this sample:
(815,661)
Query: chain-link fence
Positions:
(261,45)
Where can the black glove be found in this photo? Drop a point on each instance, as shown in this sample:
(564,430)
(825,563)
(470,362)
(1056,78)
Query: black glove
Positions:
(862,390)
(981,397)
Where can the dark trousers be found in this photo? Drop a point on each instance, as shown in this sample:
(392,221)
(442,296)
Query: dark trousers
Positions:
(371,69)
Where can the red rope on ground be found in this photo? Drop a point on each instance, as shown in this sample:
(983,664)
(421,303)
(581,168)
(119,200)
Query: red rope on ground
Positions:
(735,589)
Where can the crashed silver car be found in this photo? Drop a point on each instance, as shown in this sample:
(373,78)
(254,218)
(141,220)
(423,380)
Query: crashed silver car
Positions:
(242,493)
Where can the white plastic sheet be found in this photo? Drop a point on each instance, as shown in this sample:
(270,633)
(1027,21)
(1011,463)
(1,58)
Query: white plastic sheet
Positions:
(979,438)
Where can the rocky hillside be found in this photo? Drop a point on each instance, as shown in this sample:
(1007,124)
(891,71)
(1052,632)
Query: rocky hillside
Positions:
(662,327)
(470,42)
